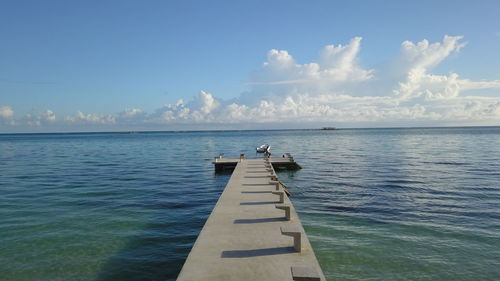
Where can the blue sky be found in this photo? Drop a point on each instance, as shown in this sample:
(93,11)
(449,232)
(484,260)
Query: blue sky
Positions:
(124,65)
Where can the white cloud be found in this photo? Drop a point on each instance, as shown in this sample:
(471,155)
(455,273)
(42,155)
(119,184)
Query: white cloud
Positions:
(131,113)
(281,74)
(6,115)
(6,112)
(420,86)
(425,55)
(35,119)
(91,118)
(201,109)
(334,88)
(336,63)
(340,63)
(207,103)
(48,115)
(417,59)
(337,89)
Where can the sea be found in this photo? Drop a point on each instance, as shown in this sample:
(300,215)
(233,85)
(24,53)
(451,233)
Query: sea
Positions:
(377,204)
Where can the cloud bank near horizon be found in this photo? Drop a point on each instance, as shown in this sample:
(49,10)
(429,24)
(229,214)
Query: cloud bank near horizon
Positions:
(333,89)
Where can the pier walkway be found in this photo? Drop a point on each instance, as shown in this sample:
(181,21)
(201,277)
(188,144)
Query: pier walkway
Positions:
(285,162)
(253,233)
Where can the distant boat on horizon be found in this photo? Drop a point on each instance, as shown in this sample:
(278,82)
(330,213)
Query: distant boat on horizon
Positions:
(328,128)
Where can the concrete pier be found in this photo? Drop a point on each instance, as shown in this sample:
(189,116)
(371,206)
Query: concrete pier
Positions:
(228,164)
(253,233)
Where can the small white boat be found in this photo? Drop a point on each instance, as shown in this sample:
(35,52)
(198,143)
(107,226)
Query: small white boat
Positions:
(263,148)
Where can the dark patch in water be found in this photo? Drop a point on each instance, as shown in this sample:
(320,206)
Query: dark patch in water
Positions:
(399,181)
(154,253)
(447,163)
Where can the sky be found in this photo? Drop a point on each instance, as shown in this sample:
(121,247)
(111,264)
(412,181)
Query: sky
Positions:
(190,65)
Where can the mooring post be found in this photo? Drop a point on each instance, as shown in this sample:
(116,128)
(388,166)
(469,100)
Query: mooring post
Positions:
(305,273)
(273,177)
(281,194)
(284,207)
(294,232)
(275,183)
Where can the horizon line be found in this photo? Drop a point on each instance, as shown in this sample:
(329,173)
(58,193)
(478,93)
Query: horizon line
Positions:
(236,130)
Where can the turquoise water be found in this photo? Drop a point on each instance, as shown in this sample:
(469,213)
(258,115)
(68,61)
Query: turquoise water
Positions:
(377,204)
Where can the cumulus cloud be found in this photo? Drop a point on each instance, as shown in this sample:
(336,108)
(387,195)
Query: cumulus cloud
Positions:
(6,115)
(6,112)
(333,88)
(48,115)
(336,67)
(336,64)
(90,118)
(131,113)
(417,59)
(37,119)
(340,63)
(202,109)
(337,89)
(443,96)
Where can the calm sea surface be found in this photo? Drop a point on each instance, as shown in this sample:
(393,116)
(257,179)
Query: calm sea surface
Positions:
(377,204)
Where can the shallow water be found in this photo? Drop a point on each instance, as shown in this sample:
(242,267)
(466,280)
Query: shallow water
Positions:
(377,204)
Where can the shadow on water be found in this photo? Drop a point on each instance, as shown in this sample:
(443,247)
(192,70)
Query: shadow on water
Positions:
(147,257)
(156,253)
(158,250)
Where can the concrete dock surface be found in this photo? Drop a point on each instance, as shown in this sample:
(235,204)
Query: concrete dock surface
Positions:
(248,237)
(286,162)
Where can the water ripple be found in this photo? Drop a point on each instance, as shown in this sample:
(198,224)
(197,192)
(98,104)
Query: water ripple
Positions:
(377,204)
